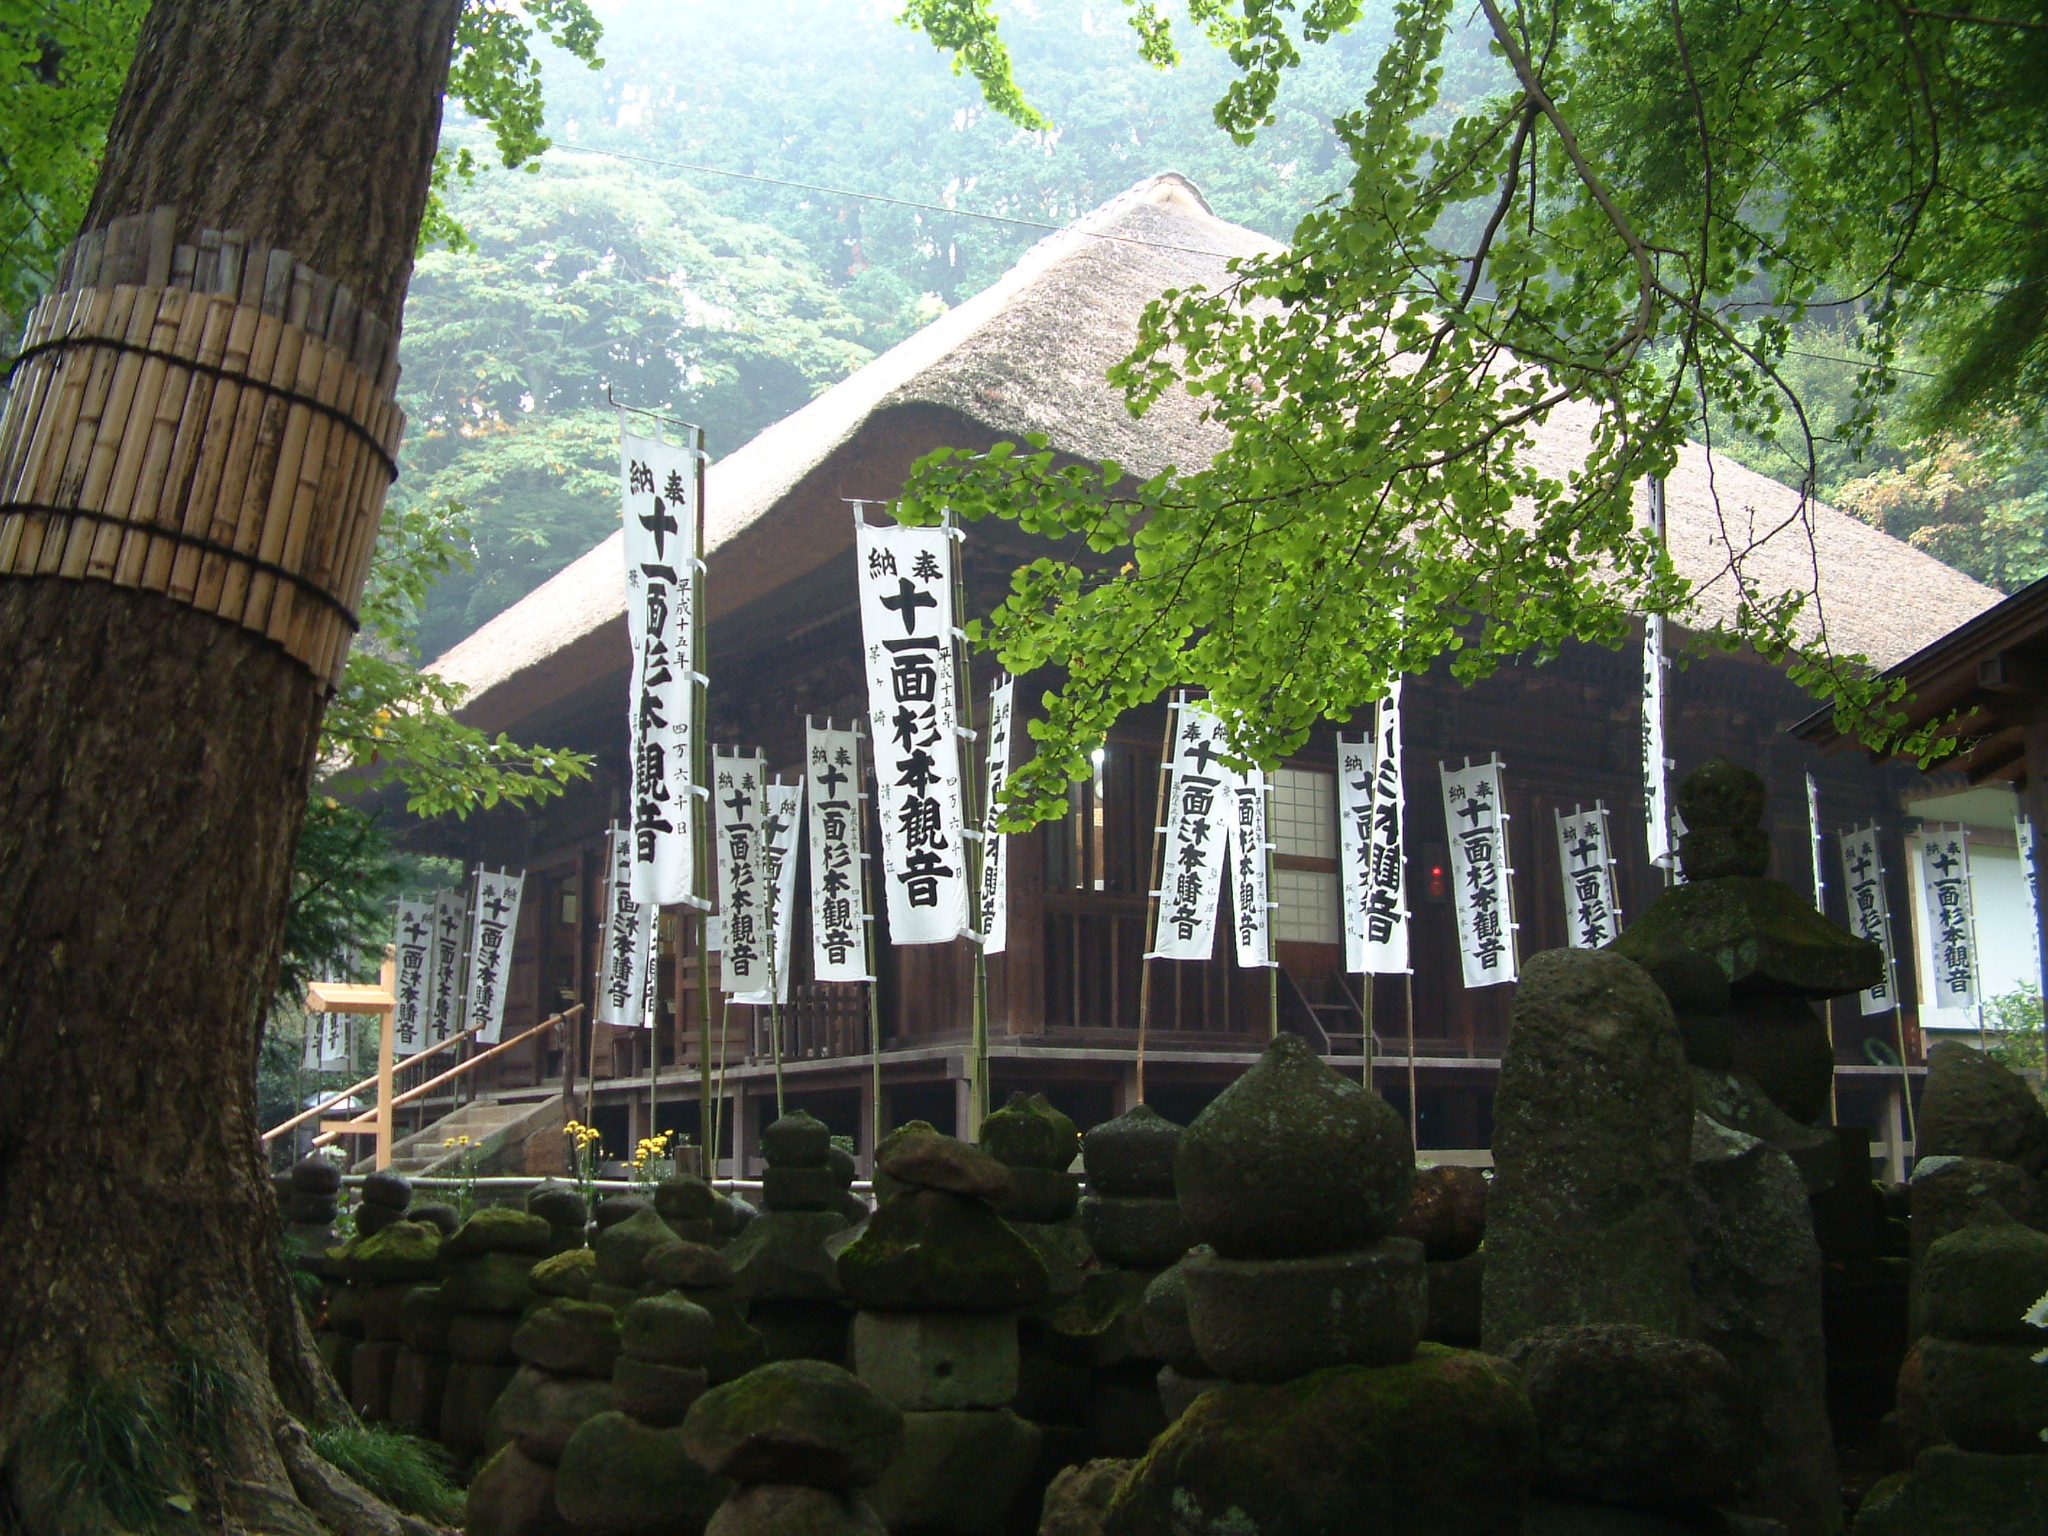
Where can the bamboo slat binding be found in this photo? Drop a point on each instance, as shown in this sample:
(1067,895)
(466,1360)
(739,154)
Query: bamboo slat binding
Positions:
(214,421)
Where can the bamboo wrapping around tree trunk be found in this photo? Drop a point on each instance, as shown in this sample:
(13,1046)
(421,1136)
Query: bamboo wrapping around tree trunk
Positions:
(215,422)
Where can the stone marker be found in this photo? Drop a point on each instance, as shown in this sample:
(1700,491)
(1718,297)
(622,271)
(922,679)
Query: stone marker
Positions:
(1586,1214)
(1973,1107)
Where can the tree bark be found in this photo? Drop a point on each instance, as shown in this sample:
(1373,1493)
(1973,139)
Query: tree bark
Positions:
(154,762)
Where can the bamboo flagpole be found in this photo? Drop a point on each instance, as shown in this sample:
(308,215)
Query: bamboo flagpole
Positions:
(1151,935)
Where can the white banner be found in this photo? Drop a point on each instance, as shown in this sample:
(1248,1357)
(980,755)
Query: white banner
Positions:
(743,936)
(1818,843)
(413,939)
(444,1007)
(1481,888)
(1656,766)
(1592,916)
(1946,908)
(1198,815)
(658,482)
(490,950)
(1870,911)
(628,941)
(326,1046)
(782,814)
(907,629)
(839,915)
(2023,839)
(1249,851)
(995,886)
(1373,858)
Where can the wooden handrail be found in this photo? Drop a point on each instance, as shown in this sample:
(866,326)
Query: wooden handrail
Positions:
(368,1122)
(348,1093)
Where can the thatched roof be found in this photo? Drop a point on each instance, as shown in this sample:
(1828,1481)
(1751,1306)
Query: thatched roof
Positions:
(1029,355)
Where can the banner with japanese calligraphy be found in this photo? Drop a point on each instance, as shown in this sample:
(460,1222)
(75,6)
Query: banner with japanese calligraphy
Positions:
(736,785)
(1371,809)
(1945,908)
(1656,766)
(490,950)
(2023,839)
(628,941)
(1870,911)
(326,1048)
(994,912)
(659,483)
(839,915)
(413,939)
(1248,857)
(1198,815)
(782,814)
(1585,855)
(907,630)
(445,1007)
(1481,889)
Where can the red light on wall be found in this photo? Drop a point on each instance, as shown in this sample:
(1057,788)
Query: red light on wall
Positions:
(1436,882)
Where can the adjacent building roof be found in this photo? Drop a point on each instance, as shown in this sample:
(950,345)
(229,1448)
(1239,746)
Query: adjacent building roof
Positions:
(1029,355)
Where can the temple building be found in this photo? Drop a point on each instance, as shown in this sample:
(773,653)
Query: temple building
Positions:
(784,642)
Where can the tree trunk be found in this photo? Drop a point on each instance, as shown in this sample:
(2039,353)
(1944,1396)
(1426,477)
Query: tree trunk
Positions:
(154,761)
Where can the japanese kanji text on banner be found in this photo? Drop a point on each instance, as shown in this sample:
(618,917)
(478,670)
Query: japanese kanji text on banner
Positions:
(1951,931)
(995,890)
(628,942)
(1371,807)
(782,814)
(1247,856)
(659,483)
(445,1008)
(736,796)
(1199,809)
(1870,911)
(1592,916)
(1480,885)
(490,952)
(907,629)
(412,1017)
(839,915)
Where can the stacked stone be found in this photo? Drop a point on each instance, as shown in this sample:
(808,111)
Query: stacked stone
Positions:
(309,1199)
(939,1279)
(382,1200)
(1983,1140)
(1447,1215)
(566,1350)
(800,1439)
(780,1262)
(622,1246)
(1130,1213)
(704,1277)
(484,1289)
(381,1270)
(1330,1413)
(565,1212)
(1985,1393)
(625,1471)
(419,1379)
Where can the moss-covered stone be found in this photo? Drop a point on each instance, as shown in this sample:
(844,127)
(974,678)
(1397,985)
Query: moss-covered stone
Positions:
(1947,1193)
(776,1509)
(499,1229)
(800,1189)
(657,1394)
(571,1338)
(782,1256)
(685,1197)
(570,1273)
(1041,1196)
(795,1421)
(1987,1397)
(623,1248)
(1132,1155)
(1165,1312)
(1763,933)
(513,1495)
(690,1266)
(959,1474)
(1444,1443)
(492,1282)
(404,1250)
(1626,1416)
(1275,1319)
(1973,1107)
(949,1164)
(1137,1232)
(933,1251)
(538,1411)
(483,1338)
(1956,1493)
(613,1209)
(1979,1283)
(668,1330)
(423,1320)
(797,1140)
(619,1477)
(1587,1211)
(1028,1132)
(1781,1045)
(1293,1160)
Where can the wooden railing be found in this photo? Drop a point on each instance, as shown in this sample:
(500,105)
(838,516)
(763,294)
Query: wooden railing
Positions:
(355,1088)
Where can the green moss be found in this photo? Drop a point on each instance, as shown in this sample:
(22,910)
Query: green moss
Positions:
(410,1475)
(928,1250)
(570,1273)
(1759,931)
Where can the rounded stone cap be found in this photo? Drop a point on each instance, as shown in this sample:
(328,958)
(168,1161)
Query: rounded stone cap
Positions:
(613,1209)
(1982,1282)
(315,1176)
(392,1191)
(691,1266)
(1719,793)
(1292,1160)
(1028,1132)
(797,1140)
(558,1205)
(945,1162)
(1132,1154)
(685,1198)
(498,1229)
(802,1422)
(1447,1211)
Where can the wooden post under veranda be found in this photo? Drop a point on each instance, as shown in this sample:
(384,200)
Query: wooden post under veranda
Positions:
(382,1001)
